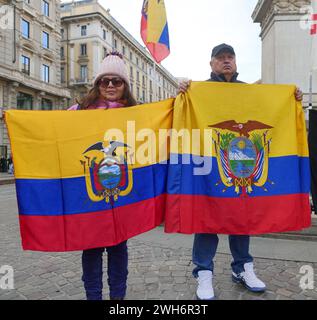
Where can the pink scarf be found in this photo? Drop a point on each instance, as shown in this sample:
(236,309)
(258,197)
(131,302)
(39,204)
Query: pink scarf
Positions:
(101,104)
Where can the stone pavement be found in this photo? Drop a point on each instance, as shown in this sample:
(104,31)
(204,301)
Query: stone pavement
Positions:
(159,266)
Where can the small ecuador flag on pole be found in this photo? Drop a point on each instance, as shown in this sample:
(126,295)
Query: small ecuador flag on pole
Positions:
(154,29)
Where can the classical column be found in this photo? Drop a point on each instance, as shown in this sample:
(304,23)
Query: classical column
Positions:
(38,100)
(286,43)
(96,59)
(72,62)
(12,95)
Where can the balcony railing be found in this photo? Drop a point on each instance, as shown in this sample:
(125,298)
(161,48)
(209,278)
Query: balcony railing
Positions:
(81,81)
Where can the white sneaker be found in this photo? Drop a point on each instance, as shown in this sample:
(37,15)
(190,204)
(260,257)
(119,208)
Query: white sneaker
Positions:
(205,290)
(249,279)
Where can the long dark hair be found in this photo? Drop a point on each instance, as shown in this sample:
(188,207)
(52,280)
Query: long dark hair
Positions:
(91,98)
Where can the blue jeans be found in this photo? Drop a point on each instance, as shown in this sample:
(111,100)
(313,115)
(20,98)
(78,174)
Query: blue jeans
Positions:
(205,247)
(117,271)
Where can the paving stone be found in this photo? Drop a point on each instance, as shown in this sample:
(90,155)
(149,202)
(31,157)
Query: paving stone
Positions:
(135,280)
(151,280)
(178,280)
(229,295)
(284,292)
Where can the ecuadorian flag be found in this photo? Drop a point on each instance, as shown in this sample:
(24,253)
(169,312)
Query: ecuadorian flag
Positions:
(154,29)
(241,166)
(88,179)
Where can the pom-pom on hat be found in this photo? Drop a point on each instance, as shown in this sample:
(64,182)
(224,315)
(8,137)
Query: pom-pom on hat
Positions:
(114,64)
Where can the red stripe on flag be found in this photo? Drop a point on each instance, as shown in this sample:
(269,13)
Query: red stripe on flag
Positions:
(258,215)
(90,230)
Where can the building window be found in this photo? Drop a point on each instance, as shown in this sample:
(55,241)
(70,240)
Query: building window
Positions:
(83,49)
(150,84)
(25,27)
(151,98)
(45,73)
(62,74)
(83,73)
(45,8)
(115,43)
(137,61)
(123,50)
(83,31)
(143,80)
(46,104)
(138,76)
(62,33)
(45,40)
(138,93)
(25,65)
(131,56)
(104,52)
(143,95)
(131,86)
(24,101)
(131,72)
(104,34)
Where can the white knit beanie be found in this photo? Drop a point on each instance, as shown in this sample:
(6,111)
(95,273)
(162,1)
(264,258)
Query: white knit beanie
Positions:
(113,64)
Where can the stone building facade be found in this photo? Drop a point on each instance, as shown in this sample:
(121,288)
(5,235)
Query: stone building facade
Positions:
(29,59)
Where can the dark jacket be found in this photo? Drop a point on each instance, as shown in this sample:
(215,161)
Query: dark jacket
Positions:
(221,78)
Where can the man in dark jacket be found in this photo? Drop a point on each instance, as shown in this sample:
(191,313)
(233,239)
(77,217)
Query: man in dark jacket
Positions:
(224,69)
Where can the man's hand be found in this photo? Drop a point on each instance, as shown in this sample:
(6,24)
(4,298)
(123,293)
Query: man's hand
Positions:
(298,94)
(183,86)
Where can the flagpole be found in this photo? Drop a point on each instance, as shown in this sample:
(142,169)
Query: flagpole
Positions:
(310,104)
(154,84)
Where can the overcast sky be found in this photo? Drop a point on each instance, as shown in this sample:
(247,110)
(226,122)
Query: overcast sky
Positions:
(195,27)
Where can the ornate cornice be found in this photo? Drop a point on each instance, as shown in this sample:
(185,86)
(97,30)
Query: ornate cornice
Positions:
(265,10)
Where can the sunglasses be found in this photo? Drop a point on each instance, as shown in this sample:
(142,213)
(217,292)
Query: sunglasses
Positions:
(116,82)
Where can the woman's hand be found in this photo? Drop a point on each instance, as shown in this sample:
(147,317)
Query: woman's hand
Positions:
(298,94)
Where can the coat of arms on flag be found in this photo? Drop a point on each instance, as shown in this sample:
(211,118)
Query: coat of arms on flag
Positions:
(109,174)
(242,151)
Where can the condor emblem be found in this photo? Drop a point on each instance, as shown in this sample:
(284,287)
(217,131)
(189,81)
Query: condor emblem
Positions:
(109,175)
(242,151)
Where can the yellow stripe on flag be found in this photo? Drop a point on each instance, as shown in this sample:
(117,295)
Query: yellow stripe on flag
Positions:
(156,20)
(208,103)
(50,144)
